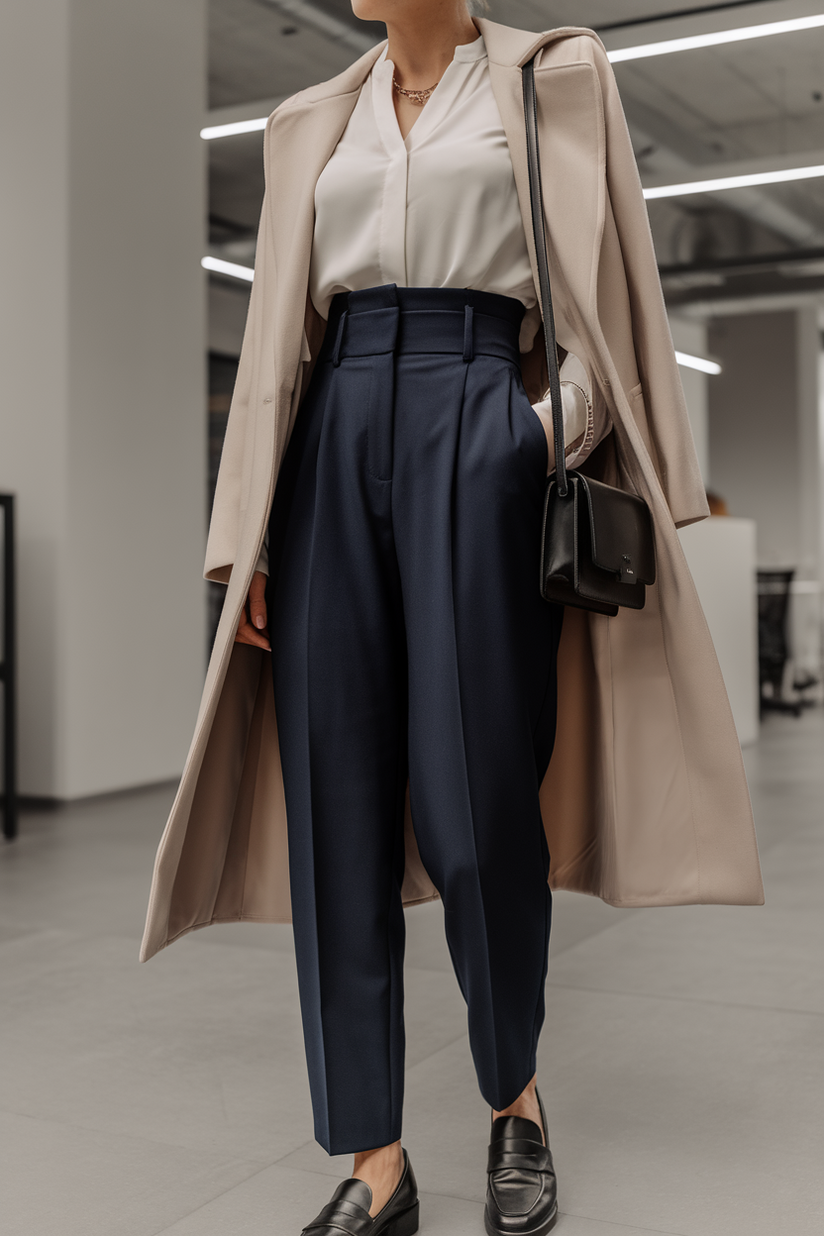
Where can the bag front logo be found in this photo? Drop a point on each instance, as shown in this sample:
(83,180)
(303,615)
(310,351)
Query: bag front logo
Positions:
(626,570)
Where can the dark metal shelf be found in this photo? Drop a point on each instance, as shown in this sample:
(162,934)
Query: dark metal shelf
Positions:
(8,675)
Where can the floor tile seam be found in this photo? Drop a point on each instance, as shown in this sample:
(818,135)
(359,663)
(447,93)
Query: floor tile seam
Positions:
(136,1137)
(303,1145)
(765,848)
(453,1197)
(209,1201)
(559,952)
(70,936)
(18,937)
(48,931)
(411,968)
(197,937)
(722,1004)
(460,1038)
(311,1171)
(630,1227)
(202,935)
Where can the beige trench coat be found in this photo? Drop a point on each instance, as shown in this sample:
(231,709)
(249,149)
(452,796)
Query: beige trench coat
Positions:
(645,801)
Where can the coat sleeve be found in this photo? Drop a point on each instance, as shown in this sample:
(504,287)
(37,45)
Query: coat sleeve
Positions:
(669,426)
(232,477)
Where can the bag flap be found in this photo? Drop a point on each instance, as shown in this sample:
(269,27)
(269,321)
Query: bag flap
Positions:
(621,529)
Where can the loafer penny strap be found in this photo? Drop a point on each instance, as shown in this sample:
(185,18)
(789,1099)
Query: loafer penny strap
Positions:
(340,1217)
(511,1152)
(343,1215)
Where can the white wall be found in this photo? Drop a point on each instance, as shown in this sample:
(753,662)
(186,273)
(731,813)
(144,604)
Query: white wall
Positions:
(766,439)
(228,307)
(808,351)
(721,557)
(33,344)
(763,413)
(102,420)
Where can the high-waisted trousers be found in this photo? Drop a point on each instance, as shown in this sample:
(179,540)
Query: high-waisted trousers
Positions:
(410,642)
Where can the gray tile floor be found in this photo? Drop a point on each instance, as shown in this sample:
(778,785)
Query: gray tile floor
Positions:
(682,1060)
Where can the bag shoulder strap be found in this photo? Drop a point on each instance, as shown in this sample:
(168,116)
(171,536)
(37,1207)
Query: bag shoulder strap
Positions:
(539,232)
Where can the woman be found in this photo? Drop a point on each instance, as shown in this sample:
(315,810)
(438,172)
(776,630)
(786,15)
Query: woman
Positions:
(396,451)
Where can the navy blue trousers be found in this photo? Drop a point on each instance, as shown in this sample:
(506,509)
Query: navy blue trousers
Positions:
(410,640)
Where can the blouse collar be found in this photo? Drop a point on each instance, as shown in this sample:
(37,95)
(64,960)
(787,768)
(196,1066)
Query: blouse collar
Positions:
(475,50)
(465,55)
(467,52)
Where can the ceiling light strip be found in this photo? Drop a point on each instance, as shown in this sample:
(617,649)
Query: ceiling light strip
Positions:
(716,38)
(232,130)
(654,19)
(219,267)
(697,362)
(621,54)
(780,176)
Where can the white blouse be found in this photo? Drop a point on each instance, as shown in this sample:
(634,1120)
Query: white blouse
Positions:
(437,209)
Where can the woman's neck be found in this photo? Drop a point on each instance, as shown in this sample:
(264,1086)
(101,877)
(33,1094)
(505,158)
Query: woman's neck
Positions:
(421,50)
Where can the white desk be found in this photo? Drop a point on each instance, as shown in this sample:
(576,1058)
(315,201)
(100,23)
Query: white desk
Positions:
(721,556)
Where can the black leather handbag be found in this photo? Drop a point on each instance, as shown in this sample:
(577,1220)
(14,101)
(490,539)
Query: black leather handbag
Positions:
(597,545)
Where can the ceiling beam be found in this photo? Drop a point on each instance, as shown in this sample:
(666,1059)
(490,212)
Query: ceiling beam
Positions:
(665,166)
(704,21)
(240,112)
(335,29)
(739,167)
(701,10)
(791,260)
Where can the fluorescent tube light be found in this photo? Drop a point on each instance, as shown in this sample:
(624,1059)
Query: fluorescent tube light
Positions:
(697,362)
(228,268)
(246,272)
(716,38)
(780,176)
(231,130)
(712,39)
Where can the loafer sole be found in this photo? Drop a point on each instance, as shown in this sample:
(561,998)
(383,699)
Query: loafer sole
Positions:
(546,1226)
(405,1224)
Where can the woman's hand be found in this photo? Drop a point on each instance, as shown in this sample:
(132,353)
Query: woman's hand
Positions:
(252,626)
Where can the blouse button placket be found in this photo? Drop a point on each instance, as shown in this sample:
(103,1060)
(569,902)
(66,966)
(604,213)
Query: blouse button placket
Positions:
(393,219)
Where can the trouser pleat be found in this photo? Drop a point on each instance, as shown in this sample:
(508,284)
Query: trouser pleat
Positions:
(481,714)
(410,640)
(340,689)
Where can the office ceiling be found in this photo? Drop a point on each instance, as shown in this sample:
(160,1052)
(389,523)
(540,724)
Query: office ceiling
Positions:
(760,99)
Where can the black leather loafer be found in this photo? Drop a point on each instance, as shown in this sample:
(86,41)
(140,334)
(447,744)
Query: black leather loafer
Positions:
(347,1214)
(522,1193)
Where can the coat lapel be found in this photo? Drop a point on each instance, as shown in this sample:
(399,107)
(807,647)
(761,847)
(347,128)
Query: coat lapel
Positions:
(303,138)
(305,134)
(572,149)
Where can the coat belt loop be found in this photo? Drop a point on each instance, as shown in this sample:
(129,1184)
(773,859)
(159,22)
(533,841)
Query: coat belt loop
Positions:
(469,344)
(339,339)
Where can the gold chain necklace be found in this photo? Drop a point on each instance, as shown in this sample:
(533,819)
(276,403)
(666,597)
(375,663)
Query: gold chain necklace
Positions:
(414,96)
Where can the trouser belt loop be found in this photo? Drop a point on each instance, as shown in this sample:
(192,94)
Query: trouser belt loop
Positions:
(339,339)
(468,343)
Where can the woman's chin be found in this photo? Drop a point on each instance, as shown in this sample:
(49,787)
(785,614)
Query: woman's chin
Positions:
(369,10)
